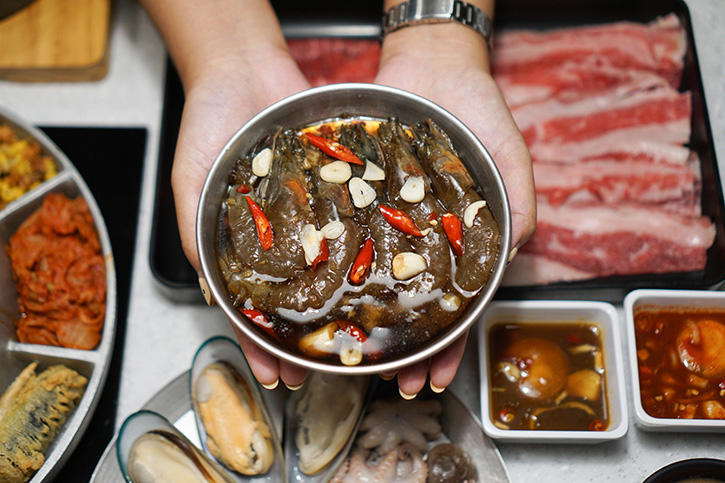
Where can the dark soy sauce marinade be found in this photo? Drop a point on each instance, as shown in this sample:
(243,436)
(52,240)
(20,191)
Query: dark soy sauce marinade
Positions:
(568,357)
(391,316)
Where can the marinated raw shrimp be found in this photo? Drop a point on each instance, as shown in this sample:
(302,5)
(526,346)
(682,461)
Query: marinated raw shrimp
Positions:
(285,202)
(401,165)
(347,261)
(453,185)
(308,288)
(387,241)
(313,287)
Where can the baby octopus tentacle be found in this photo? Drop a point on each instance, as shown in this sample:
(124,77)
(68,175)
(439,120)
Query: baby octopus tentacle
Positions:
(390,422)
(402,464)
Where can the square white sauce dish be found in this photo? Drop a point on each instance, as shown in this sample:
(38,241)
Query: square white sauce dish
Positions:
(552,371)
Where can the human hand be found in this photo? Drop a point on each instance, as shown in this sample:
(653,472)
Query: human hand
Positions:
(218,103)
(448,64)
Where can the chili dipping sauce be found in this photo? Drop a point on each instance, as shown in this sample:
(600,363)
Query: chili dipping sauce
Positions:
(681,361)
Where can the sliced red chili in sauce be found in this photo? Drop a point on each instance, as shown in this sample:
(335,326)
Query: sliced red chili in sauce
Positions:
(264,229)
(400,220)
(334,149)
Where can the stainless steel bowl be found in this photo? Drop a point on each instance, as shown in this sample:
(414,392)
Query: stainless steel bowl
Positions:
(329,102)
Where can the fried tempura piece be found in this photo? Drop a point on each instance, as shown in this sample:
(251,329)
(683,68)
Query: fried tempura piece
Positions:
(32,412)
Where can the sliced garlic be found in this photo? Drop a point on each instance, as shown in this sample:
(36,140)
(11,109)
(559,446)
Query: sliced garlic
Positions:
(336,172)
(450,302)
(582,349)
(413,191)
(351,353)
(407,265)
(362,194)
(262,163)
(333,230)
(471,212)
(373,172)
(510,371)
(320,342)
(311,239)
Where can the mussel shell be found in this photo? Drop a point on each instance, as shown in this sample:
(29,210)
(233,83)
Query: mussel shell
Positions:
(224,350)
(145,423)
(333,383)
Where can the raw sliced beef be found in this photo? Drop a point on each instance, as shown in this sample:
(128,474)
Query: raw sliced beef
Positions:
(589,118)
(618,190)
(657,47)
(336,60)
(619,240)
(673,187)
(571,83)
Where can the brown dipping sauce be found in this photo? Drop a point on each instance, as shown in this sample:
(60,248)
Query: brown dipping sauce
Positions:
(681,362)
(547,376)
(322,312)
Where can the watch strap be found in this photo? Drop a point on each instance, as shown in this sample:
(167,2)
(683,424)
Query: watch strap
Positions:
(418,12)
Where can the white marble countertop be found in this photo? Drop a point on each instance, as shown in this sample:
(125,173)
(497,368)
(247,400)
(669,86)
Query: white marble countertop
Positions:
(162,335)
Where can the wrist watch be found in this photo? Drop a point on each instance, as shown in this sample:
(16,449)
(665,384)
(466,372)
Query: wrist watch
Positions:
(417,12)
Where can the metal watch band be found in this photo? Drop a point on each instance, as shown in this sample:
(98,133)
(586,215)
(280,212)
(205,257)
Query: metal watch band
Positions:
(416,12)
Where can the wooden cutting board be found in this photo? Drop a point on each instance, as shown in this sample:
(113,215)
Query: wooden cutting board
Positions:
(56,40)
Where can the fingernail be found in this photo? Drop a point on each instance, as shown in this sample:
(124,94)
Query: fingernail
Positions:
(406,396)
(435,388)
(205,291)
(294,388)
(270,387)
(387,377)
(512,254)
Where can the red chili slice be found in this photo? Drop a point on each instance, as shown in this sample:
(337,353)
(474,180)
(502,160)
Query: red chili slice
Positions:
(260,320)
(506,415)
(323,256)
(597,425)
(454,231)
(244,189)
(334,149)
(361,266)
(264,229)
(352,329)
(400,220)
(573,339)
(370,349)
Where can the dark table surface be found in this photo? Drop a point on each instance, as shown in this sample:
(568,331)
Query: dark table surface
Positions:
(110,161)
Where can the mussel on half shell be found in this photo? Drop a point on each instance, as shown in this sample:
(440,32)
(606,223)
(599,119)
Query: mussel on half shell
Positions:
(327,412)
(151,450)
(235,426)
(237,434)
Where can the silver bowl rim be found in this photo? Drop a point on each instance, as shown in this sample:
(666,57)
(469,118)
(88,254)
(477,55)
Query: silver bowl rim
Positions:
(207,255)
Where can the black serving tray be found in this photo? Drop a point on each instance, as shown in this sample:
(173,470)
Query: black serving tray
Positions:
(320,18)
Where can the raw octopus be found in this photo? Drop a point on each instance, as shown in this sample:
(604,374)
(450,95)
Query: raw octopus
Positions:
(402,464)
(390,422)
